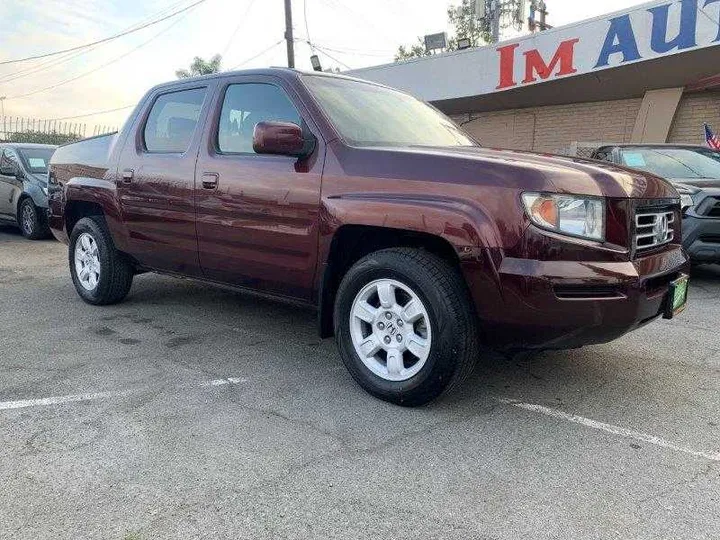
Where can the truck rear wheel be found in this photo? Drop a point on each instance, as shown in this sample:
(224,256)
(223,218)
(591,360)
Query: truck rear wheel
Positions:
(405,326)
(100,273)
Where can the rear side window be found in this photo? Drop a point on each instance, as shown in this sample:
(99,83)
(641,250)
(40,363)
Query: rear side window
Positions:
(246,105)
(172,121)
(603,154)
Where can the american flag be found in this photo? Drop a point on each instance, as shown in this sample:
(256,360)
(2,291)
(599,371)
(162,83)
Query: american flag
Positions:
(712,140)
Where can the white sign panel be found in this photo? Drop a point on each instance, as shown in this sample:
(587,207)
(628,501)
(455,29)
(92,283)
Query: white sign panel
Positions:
(653,30)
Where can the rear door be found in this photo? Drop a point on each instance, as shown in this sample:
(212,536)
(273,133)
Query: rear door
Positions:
(156,177)
(257,215)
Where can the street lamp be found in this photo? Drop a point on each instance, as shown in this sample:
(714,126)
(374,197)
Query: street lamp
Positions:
(2,106)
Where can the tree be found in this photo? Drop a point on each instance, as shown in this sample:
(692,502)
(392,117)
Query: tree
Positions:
(465,25)
(413,51)
(200,67)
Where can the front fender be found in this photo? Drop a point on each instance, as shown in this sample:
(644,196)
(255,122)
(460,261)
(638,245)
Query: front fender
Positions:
(35,192)
(465,226)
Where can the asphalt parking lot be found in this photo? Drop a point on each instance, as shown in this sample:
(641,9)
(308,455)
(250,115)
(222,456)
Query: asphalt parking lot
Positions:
(195,412)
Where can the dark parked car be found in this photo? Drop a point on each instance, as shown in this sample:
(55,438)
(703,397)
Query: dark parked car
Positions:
(695,173)
(23,187)
(414,244)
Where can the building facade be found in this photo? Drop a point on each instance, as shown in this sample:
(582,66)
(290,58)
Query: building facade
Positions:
(646,74)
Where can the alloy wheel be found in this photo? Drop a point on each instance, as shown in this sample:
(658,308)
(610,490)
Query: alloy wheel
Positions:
(390,330)
(87,261)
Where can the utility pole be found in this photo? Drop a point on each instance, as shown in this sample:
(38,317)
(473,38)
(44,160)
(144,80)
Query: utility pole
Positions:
(496,14)
(289,34)
(533,23)
(2,105)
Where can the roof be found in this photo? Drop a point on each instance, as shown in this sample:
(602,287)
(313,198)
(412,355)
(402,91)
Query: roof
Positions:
(282,72)
(27,145)
(658,145)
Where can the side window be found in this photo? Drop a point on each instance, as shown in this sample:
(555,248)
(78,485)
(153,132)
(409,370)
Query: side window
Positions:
(170,126)
(604,154)
(246,105)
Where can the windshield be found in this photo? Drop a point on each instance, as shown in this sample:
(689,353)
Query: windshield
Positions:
(674,162)
(369,115)
(36,160)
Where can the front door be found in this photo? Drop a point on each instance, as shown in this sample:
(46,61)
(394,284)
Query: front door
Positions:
(156,176)
(257,215)
(10,186)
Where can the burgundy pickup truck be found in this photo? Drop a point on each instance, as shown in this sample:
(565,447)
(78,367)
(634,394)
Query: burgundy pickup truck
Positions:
(416,245)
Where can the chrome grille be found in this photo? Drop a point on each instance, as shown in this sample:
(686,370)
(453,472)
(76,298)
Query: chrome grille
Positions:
(653,228)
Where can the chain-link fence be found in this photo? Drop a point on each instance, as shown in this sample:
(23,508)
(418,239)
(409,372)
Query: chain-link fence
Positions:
(32,130)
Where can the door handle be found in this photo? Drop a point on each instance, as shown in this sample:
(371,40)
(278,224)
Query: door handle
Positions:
(210,180)
(127,176)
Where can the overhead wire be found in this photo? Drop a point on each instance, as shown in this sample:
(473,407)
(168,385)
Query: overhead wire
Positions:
(96,113)
(258,55)
(106,64)
(243,17)
(66,57)
(322,50)
(104,40)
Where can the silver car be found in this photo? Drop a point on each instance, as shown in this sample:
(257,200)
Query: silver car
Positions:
(23,187)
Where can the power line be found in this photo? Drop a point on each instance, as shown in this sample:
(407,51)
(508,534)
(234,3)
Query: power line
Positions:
(102,66)
(359,16)
(96,113)
(257,55)
(237,28)
(307,29)
(66,57)
(329,56)
(357,52)
(104,40)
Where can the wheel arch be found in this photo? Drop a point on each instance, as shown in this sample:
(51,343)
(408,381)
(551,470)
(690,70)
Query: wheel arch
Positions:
(93,197)
(450,229)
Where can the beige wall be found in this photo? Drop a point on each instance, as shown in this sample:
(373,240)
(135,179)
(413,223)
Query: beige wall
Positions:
(693,111)
(555,129)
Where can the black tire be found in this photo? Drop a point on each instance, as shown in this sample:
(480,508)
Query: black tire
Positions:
(116,273)
(454,346)
(32,220)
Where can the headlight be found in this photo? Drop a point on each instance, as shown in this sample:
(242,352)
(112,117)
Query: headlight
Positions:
(44,190)
(686,195)
(686,201)
(583,217)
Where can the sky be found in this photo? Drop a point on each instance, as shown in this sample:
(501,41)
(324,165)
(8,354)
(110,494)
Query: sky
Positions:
(248,34)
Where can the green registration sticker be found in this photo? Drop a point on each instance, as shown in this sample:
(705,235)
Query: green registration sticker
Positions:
(677,300)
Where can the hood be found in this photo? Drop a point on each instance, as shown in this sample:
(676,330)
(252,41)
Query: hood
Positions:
(700,183)
(537,172)
(39,178)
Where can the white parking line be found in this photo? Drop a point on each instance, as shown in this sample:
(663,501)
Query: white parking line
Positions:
(59,400)
(609,428)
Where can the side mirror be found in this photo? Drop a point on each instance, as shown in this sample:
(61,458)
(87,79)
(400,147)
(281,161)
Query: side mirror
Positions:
(281,138)
(9,170)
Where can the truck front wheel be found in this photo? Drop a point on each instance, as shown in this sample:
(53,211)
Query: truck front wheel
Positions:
(405,326)
(100,273)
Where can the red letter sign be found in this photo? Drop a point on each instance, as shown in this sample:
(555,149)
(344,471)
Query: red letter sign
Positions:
(565,56)
(507,66)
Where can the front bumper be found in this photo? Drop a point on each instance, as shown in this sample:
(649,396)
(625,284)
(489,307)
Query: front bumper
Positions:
(701,238)
(569,304)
